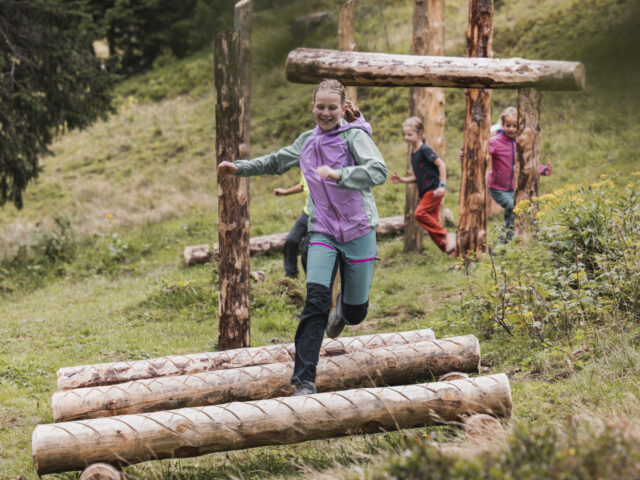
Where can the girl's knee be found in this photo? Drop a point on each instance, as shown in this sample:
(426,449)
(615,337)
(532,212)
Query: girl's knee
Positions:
(354,314)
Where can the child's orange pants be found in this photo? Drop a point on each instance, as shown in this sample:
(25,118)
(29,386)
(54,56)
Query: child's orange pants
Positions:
(427,214)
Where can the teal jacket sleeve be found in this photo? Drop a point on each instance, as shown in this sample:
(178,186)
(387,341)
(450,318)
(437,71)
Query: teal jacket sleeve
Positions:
(274,163)
(369,170)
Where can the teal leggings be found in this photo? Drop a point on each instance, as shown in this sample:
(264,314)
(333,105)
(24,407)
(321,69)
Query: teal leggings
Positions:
(357,258)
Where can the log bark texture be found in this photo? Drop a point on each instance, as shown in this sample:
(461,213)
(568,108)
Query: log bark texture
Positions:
(392,365)
(233,199)
(526,174)
(198,254)
(191,432)
(413,232)
(347,37)
(472,226)
(307,65)
(121,372)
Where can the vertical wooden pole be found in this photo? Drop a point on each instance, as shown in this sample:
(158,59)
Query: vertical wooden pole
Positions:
(233,202)
(526,173)
(413,232)
(347,37)
(472,232)
(242,22)
(434,119)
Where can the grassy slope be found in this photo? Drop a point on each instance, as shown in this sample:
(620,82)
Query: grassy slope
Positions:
(145,174)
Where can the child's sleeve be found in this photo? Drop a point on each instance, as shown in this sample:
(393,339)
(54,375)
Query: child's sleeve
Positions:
(275,163)
(369,170)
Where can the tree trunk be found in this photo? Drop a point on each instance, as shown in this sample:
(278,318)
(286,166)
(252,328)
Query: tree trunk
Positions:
(434,117)
(198,254)
(233,199)
(347,37)
(307,65)
(472,233)
(413,232)
(120,372)
(191,432)
(392,365)
(526,172)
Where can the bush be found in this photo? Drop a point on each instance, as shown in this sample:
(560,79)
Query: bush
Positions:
(582,268)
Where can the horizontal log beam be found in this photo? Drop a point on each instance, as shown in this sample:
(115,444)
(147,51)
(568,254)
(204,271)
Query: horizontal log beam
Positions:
(392,365)
(120,372)
(198,254)
(191,432)
(307,65)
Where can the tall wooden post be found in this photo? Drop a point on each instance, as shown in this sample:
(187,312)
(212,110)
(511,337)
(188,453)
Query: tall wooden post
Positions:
(413,232)
(233,202)
(472,232)
(434,119)
(526,173)
(242,22)
(347,37)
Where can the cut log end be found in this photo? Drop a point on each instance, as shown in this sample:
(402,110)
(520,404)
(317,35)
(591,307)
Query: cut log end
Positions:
(101,471)
(483,425)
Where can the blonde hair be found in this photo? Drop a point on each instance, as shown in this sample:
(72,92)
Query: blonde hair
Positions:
(334,86)
(508,112)
(414,123)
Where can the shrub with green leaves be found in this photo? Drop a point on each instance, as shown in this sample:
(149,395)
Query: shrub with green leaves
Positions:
(580,271)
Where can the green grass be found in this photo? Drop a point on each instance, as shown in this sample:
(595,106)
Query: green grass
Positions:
(139,187)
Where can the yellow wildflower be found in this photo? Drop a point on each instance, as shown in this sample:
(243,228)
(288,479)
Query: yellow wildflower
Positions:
(604,175)
(109,216)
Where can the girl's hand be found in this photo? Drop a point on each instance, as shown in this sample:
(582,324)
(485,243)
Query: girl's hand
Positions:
(547,170)
(439,192)
(227,168)
(328,173)
(278,192)
(395,178)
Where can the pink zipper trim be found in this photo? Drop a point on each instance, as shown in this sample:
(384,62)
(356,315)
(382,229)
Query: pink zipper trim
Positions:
(323,244)
(363,260)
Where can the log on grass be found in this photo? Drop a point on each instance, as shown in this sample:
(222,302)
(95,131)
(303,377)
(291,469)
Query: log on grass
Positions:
(191,432)
(120,372)
(392,365)
(198,254)
(310,65)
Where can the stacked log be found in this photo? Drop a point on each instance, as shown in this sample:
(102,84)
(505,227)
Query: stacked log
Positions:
(390,365)
(124,440)
(120,372)
(198,254)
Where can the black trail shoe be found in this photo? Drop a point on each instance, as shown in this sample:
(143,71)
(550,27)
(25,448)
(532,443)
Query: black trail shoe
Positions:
(305,388)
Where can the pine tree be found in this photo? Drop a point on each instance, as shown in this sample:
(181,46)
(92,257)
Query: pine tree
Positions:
(49,79)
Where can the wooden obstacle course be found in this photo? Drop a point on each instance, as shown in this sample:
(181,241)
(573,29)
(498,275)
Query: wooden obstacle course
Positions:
(189,432)
(390,365)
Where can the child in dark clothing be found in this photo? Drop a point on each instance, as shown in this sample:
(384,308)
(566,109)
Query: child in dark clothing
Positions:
(430,173)
(297,237)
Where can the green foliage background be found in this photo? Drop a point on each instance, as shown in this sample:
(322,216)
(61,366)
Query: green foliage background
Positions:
(92,269)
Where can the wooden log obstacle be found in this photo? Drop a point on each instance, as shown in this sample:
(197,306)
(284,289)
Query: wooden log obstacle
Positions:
(306,65)
(198,254)
(121,372)
(188,397)
(391,365)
